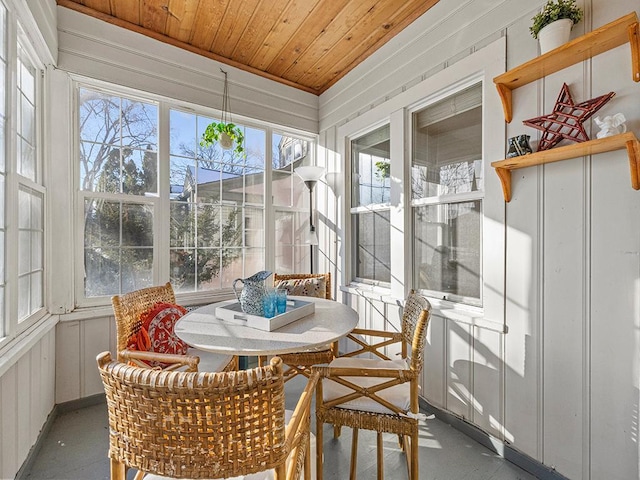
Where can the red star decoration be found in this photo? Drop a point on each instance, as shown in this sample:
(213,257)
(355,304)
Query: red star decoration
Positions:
(566,119)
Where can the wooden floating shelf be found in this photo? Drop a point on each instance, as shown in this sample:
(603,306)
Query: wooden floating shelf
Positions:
(609,36)
(617,142)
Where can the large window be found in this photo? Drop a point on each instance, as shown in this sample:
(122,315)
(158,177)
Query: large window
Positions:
(291,203)
(447,184)
(30,189)
(22,193)
(370,206)
(190,214)
(119,190)
(217,206)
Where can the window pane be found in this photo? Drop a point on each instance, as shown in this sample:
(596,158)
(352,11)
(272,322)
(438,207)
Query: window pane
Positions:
(370,166)
(288,154)
(447,146)
(372,235)
(212,227)
(290,255)
(118,144)
(447,248)
(25,127)
(371,187)
(30,251)
(118,247)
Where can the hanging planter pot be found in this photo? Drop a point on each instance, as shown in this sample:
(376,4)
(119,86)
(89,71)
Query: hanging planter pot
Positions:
(555,35)
(225,133)
(226,142)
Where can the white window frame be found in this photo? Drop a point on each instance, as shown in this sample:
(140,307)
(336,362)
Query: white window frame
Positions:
(12,326)
(482,65)
(160,203)
(354,211)
(450,198)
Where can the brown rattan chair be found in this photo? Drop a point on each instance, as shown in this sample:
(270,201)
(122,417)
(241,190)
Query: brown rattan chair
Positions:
(376,393)
(301,362)
(204,424)
(127,309)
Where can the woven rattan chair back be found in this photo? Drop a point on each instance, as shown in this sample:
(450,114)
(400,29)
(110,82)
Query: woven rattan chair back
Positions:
(302,276)
(127,309)
(301,363)
(195,425)
(415,320)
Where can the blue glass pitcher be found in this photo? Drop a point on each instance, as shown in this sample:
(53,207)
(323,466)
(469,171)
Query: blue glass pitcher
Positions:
(253,292)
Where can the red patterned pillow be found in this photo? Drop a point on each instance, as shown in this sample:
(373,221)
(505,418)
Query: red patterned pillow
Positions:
(156,332)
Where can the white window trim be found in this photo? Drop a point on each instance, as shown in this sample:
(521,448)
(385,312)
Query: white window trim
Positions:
(482,65)
(14,332)
(161,202)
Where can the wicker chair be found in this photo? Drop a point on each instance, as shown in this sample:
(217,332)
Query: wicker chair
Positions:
(376,393)
(204,425)
(127,309)
(301,362)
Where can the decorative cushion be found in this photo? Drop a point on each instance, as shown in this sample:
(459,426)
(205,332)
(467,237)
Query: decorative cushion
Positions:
(156,332)
(307,287)
(398,395)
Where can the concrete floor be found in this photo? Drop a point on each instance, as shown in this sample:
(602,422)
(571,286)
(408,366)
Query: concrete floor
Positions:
(77,443)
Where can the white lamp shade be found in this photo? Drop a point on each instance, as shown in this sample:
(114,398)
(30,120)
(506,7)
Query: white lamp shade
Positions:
(310,237)
(311,173)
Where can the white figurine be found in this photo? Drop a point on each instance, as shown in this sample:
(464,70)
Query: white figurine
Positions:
(612,125)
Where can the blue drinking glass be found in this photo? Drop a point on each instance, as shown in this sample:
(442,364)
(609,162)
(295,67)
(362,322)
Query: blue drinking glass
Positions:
(281,300)
(269,304)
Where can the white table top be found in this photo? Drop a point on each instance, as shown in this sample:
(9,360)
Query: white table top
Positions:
(331,321)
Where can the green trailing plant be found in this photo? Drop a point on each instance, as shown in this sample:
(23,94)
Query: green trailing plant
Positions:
(555,10)
(224,132)
(215,130)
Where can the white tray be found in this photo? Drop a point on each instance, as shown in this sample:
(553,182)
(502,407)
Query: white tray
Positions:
(296,309)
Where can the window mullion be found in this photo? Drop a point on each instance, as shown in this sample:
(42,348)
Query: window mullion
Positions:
(162,222)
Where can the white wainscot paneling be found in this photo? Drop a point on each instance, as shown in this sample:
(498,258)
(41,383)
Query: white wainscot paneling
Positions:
(563,314)
(26,399)
(459,373)
(79,342)
(433,374)
(488,380)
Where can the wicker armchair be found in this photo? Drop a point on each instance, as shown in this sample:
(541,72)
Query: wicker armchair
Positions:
(204,425)
(127,309)
(376,393)
(301,362)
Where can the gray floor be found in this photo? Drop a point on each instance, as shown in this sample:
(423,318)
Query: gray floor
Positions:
(76,448)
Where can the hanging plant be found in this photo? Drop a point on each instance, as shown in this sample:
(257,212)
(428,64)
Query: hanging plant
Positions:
(225,132)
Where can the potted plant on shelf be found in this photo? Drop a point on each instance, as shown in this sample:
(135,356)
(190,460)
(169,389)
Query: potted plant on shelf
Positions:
(225,132)
(552,26)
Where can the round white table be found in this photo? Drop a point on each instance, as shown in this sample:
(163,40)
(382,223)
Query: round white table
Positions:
(330,322)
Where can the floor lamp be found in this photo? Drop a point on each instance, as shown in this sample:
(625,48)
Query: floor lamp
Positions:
(310,175)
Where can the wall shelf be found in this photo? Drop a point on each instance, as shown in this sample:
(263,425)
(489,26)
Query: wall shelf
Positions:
(617,142)
(623,30)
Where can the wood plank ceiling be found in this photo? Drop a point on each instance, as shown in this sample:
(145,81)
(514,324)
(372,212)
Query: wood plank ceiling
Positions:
(307,44)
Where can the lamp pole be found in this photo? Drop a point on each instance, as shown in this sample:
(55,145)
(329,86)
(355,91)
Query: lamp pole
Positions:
(310,174)
(312,228)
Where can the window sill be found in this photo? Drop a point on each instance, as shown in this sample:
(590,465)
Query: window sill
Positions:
(188,300)
(15,348)
(456,312)
(465,314)
(373,292)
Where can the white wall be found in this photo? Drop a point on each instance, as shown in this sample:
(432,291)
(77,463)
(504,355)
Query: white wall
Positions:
(97,49)
(26,397)
(562,385)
